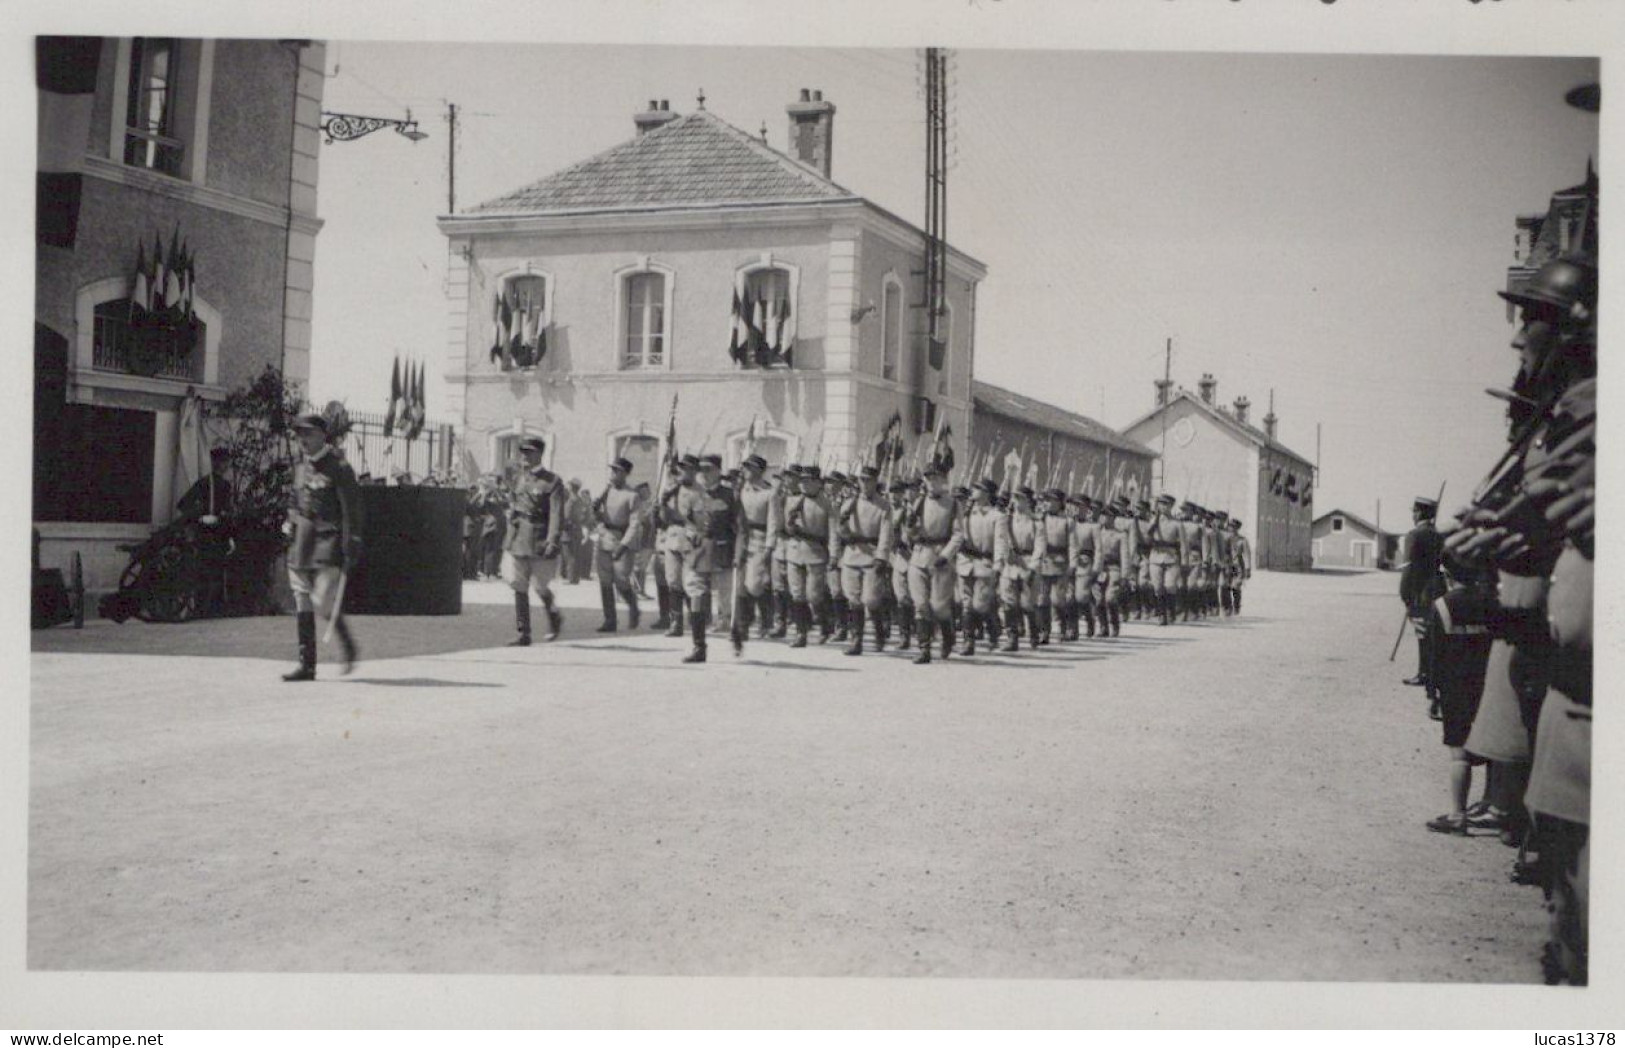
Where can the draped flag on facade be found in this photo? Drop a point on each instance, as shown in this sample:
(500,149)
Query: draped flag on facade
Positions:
(65,71)
(784,333)
(736,347)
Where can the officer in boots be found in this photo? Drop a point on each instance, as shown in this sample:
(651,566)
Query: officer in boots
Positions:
(535,522)
(614,538)
(758,529)
(984,543)
(325,524)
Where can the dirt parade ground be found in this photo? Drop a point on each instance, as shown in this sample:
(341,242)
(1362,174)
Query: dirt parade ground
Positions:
(1237,799)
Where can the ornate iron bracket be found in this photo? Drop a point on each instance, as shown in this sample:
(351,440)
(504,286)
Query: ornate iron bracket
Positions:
(347,127)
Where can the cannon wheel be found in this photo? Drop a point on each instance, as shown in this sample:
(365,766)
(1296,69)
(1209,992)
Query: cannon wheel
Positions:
(168,586)
(76,591)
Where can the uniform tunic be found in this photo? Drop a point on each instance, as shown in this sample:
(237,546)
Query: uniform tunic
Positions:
(866,533)
(615,536)
(326,517)
(1113,561)
(759,526)
(535,522)
(984,545)
(1019,582)
(933,533)
(807,530)
(1166,550)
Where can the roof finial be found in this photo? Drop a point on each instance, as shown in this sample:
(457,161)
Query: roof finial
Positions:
(701,98)
(764,132)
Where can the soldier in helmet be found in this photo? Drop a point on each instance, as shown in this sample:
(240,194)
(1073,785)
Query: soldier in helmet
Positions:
(1533,522)
(325,524)
(535,523)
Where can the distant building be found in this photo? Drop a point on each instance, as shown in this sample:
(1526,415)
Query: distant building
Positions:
(1569,225)
(1215,457)
(696,260)
(1341,539)
(1057,446)
(177,174)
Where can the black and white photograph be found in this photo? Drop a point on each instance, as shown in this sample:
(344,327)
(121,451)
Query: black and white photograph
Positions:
(713,515)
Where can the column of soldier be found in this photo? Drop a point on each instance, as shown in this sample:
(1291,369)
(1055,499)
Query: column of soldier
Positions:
(907,560)
(1503,601)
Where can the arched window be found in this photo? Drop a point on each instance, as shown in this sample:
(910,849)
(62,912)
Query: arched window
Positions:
(521,319)
(765,314)
(778,447)
(643,451)
(891,328)
(643,308)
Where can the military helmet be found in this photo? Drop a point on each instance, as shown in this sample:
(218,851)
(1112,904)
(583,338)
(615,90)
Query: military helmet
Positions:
(1560,284)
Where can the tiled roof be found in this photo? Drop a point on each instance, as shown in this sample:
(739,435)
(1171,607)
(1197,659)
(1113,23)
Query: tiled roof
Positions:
(696,160)
(1355,517)
(998,401)
(1248,430)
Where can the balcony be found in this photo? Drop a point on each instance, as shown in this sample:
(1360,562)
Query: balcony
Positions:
(152,349)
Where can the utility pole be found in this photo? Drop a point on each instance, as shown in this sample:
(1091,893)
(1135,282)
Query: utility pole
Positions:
(451,159)
(1167,402)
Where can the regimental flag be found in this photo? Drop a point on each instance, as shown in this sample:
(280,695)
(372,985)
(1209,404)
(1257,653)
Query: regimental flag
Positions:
(764,352)
(942,450)
(543,322)
(735,338)
(160,277)
(394,396)
(140,288)
(415,399)
(65,69)
(172,279)
(890,446)
(784,331)
(498,326)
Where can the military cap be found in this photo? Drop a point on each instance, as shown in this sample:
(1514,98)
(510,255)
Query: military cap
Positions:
(898,486)
(714,461)
(755,462)
(935,469)
(961,492)
(1426,505)
(1165,500)
(689,461)
(811,473)
(1142,504)
(532,443)
(988,485)
(1055,494)
(870,472)
(836,477)
(1025,492)
(311,420)
(1001,500)
(621,465)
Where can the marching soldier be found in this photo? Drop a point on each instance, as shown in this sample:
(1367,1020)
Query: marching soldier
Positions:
(1165,544)
(1242,557)
(984,544)
(674,540)
(934,537)
(758,528)
(1083,543)
(614,539)
(1420,583)
(1054,577)
(864,529)
(902,606)
(706,515)
(1115,559)
(535,522)
(1225,567)
(724,489)
(789,487)
(1021,590)
(1191,557)
(808,523)
(835,618)
(325,524)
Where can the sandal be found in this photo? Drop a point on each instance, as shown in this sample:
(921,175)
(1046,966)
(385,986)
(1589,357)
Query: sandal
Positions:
(1449,824)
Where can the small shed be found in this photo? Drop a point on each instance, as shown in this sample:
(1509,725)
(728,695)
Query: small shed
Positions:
(1340,539)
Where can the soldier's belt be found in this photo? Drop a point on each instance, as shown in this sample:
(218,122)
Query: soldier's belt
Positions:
(974,554)
(756,527)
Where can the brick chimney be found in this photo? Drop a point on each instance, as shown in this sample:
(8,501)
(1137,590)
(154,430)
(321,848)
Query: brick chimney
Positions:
(1207,387)
(1241,405)
(812,130)
(1164,389)
(658,114)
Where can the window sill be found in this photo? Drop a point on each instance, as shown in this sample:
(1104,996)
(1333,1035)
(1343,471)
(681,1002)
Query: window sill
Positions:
(126,383)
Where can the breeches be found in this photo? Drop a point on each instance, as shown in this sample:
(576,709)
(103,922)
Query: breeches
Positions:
(809,583)
(1109,585)
(977,592)
(314,588)
(1085,586)
(698,571)
(1165,577)
(863,584)
(1018,592)
(536,573)
(899,585)
(757,572)
(610,568)
(931,587)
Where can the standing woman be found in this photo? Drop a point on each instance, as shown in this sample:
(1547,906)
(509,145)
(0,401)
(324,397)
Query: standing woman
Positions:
(325,525)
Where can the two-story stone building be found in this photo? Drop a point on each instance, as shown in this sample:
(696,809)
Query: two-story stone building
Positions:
(181,173)
(696,260)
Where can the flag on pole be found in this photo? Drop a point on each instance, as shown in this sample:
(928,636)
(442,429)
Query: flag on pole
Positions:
(499,335)
(394,396)
(784,334)
(140,288)
(735,348)
(763,352)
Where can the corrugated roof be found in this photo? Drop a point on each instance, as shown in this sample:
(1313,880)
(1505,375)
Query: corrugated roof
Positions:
(1003,402)
(695,160)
